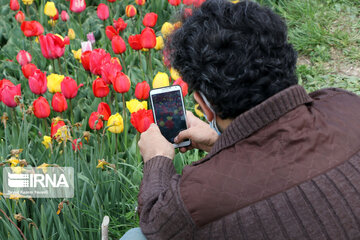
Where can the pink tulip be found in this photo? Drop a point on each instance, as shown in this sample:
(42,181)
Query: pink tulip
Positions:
(8,93)
(23,57)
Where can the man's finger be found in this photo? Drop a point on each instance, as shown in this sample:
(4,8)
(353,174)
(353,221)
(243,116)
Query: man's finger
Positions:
(186,134)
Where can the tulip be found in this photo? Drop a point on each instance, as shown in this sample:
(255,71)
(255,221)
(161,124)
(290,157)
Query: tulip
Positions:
(198,111)
(103,11)
(130,11)
(166,58)
(85,60)
(140,2)
(95,117)
(174,2)
(59,103)
(76,145)
(174,74)
(28,69)
(55,125)
(187,12)
(27,2)
(56,17)
(198,3)
(135,42)
(77,54)
(98,58)
(14,5)
(104,109)
(50,9)
(20,17)
(142,119)
(69,87)
(118,45)
(148,38)
(8,93)
(135,105)
(100,88)
(77,5)
(54,82)
(161,79)
(31,28)
(121,83)
(159,43)
(187,2)
(71,34)
(119,24)
(142,90)
(115,123)
(47,143)
(64,16)
(38,82)
(3,83)
(23,57)
(111,0)
(90,37)
(52,46)
(183,85)
(110,32)
(41,107)
(150,19)
(166,29)
(109,71)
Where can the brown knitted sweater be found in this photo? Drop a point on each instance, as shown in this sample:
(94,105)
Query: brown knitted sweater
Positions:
(288,168)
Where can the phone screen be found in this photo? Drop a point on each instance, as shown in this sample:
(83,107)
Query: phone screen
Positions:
(169,114)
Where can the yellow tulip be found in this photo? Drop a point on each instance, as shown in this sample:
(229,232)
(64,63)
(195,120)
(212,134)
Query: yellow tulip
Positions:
(77,54)
(115,123)
(135,105)
(17,170)
(13,161)
(198,111)
(159,43)
(52,23)
(62,134)
(102,163)
(47,141)
(71,34)
(27,2)
(160,80)
(166,29)
(50,9)
(174,74)
(235,1)
(16,196)
(54,82)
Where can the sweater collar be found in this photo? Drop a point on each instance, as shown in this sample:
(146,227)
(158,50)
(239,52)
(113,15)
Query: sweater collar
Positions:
(259,116)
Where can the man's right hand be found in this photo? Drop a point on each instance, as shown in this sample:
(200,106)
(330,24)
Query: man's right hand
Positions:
(202,136)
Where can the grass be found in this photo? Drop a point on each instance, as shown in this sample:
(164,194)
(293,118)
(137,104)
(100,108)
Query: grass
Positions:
(326,34)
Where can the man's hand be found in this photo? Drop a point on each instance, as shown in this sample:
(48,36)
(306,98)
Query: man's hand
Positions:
(152,143)
(202,136)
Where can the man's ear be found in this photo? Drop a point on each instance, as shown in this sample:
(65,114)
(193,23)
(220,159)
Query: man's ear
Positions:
(207,111)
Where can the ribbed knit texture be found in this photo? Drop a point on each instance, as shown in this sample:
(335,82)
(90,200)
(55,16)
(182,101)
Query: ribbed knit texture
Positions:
(326,206)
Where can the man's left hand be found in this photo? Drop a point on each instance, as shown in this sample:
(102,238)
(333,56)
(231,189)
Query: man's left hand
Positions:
(152,143)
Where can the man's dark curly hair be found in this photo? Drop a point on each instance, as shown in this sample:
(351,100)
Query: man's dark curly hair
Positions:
(237,55)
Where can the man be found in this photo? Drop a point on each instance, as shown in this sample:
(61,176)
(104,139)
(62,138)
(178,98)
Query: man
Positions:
(286,164)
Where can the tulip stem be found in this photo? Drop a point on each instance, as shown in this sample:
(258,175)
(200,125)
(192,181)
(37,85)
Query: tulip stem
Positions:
(60,68)
(71,111)
(123,100)
(53,64)
(15,119)
(124,118)
(123,63)
(150,64)
(45,126)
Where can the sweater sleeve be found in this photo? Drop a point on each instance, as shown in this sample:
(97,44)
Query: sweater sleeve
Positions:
(162,212)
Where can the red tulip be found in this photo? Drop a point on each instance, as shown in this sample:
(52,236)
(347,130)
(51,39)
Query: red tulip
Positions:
(111,0)
(187,2)
(8,93)
(38,82)
(140,2)
(174,2)
(95,116)
(166,58)
(64,16)
(130,11)
(148,38)
(183,85)
(14,5)
(142,90)
(77,145)
(20,17)
(69,87)
(98,58)
(110,32)
(85,60)
(119,24)
(52,46)
(121,83)
(28,69)
(56,17)
(142,120)
(55,127)
(150,19)
(4,83)
(103,11)
(100,88)
(187,12)
(31,28)
(77,5)
(118,45)
(198,3)
(23,57)
(41,107)
(59,103)
(109,71)
(134,42)
(104,109)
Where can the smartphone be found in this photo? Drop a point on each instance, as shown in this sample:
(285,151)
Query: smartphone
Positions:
(169,112)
